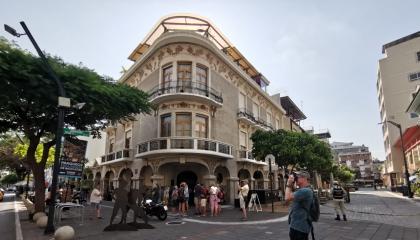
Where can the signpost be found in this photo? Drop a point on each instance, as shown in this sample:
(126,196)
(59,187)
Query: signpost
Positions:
(73,157)
(75,132)
(269,158)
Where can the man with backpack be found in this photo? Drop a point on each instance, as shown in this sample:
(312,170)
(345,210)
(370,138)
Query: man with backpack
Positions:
(305,206)
(338,199)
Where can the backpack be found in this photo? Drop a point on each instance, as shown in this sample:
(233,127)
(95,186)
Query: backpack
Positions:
(314,209)
(175,195)
(220,195)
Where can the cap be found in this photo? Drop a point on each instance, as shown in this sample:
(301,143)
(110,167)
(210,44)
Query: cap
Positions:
(304,174)
(335,183)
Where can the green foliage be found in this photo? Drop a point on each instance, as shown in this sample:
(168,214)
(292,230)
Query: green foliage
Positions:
(9,179)
(8,159)
(21,150)
(343,173)
(298,150)
(29,96)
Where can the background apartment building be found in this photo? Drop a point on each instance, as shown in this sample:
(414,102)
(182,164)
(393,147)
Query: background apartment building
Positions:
(397,79)
(355,157)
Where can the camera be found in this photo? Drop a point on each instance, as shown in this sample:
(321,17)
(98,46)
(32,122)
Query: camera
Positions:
(295,176)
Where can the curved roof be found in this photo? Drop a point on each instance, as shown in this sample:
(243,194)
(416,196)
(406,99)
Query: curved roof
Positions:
(202,26)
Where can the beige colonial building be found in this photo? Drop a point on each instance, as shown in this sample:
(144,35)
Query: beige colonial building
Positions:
(209,100)
(397,79)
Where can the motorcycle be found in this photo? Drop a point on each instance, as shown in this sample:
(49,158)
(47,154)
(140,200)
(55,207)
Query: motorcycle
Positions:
(155,209)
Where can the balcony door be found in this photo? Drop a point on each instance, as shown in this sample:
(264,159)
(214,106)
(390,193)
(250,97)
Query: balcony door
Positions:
(184,75)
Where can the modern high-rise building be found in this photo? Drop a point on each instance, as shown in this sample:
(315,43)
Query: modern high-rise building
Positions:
(397,79)
(208,100)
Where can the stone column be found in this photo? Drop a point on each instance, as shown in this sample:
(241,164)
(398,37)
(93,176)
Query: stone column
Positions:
(267,184)
(233,189)
(209,179)
(251,183)
(157,179)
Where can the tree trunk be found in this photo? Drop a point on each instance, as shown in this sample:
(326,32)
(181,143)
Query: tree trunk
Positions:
(39,178)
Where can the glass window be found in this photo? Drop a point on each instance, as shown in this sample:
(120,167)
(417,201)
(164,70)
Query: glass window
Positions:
(255,109)
(269,118)
(167,76)
(242,99)
(127,139)
(201,126)
(242,140)
(165,125)
(111,145)
(184,74)
(201,75)
(418,56)
(183,124)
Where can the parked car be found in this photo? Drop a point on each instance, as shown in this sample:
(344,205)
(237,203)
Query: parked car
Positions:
(1,196)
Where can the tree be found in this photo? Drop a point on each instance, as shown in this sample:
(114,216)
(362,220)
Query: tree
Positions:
(343,173)
(293,149)
(8,159)
(28,103)
(9,179)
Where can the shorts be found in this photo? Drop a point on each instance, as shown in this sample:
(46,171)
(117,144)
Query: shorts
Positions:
(203,202)
(242,203)
(95,205)
(196,201)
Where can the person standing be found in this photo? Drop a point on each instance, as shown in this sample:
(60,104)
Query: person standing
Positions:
(338,199)
(95,200)
(197,193)
(243,189)
(299,219)
(203,200)
(213,200)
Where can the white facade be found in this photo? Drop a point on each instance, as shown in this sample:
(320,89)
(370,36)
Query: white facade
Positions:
(397,79)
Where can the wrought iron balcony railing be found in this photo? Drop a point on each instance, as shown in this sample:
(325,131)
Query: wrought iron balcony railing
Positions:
(126,154)
(186,87)
(189,144)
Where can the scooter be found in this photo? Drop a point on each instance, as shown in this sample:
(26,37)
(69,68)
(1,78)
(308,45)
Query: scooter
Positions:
(155,209)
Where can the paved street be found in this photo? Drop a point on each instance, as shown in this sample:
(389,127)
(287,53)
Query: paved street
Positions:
(372,215)
(7,217)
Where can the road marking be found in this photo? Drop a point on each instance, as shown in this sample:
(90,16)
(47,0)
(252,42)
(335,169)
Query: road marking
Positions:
(17,223)
(274,220)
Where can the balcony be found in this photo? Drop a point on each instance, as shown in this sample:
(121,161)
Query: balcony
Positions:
(246,116)
(184,145)
(247,156)
(125,155)
(186,91)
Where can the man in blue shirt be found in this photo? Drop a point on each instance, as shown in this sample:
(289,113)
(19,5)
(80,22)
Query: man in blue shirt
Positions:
(299,219)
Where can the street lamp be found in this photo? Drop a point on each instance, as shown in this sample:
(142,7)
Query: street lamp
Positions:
(269,158)
(63,103)
(410,194)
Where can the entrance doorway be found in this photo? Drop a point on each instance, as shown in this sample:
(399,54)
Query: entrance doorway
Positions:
(191,179)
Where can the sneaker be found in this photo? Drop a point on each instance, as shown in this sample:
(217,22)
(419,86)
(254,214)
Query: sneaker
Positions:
(100,218)
(244,219)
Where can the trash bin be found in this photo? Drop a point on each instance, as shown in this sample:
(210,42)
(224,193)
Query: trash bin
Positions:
(404,190)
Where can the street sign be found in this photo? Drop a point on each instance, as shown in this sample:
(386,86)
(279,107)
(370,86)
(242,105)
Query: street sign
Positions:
(73,157)
(76,132)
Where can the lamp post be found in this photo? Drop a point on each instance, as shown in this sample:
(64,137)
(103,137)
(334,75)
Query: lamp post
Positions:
(269,158)
(410,194)
(63,103)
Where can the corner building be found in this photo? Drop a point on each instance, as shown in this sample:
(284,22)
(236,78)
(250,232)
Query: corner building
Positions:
(209,100)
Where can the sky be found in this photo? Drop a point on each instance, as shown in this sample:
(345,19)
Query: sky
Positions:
(323,54)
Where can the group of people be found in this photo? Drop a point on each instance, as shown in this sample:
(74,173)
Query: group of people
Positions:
(203,195)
